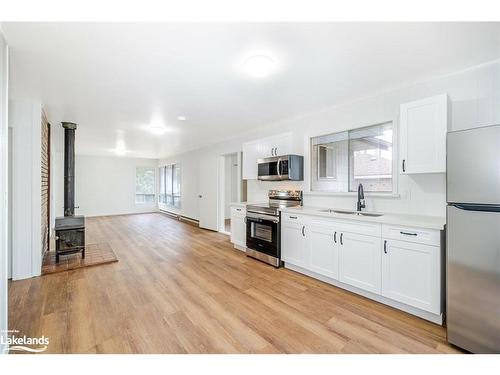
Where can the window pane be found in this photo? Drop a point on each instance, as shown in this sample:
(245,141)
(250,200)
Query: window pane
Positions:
(370,158)
(330,166)
(145,185)
(177,185)
(162,185)
(168,172)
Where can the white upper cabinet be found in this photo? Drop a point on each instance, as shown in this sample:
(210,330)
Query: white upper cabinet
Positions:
(249,160)
(423,127)
(281,144)
(411,274)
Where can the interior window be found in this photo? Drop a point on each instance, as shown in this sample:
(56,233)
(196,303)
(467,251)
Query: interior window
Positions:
(170,185)
(341,161)
(145,185)
(370,158)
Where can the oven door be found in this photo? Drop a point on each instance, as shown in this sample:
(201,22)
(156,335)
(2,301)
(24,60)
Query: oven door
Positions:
(263,233)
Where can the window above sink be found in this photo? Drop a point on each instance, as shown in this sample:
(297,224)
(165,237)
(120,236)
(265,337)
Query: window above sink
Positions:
(341,161)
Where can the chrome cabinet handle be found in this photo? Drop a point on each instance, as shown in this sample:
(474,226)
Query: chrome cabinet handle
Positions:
(292,217)
(341,237)
(335,237)
(303,230)
(238,209)
(385,246)
(404,167)
(408,233)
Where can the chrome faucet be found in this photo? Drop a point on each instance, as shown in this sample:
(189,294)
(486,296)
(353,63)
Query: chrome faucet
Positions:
(361,198)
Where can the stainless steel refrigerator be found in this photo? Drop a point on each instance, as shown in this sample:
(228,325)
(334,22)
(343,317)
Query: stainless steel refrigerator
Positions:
(473,239)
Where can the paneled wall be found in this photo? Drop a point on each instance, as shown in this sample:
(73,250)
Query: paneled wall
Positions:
(474,95)
(45,187)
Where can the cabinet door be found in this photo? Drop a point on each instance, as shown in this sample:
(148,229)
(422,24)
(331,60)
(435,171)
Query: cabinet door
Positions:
(411,274)
(283,144)
(249,160)
(423,126)
(294,248)
(324,251)
(360,261)
(266,147)
(238,230)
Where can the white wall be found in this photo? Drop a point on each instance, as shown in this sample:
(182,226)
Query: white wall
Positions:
(4,230)
(230,183)
(25,118)
(106,185)
(474,94)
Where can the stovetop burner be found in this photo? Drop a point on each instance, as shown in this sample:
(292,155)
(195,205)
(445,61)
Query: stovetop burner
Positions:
(277,199)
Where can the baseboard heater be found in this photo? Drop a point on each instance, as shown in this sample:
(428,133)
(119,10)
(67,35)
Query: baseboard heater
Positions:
(179,217)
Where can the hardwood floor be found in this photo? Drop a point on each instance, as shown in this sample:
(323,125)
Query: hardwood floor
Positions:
(180,289)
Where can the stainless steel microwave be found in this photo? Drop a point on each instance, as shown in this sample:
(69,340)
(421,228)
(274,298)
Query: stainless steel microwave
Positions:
(279,168)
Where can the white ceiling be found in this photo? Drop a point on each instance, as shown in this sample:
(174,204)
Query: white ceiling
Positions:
(115,78)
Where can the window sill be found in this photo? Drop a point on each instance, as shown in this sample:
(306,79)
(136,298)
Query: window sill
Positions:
(352,194)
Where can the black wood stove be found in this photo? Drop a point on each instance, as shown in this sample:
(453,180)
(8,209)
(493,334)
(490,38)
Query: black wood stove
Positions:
(70,229)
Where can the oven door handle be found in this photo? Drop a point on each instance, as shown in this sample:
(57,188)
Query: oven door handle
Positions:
(262,218)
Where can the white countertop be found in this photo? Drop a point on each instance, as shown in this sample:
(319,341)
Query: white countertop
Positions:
(421,221)
(242,204)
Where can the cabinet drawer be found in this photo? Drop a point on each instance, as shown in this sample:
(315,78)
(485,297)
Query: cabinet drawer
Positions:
(412,234)
(353,226)
(235,210)
(290,217)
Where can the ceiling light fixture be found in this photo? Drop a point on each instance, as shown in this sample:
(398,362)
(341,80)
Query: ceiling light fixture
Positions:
(259,66)
(157,129)
(120,148)
(181,118)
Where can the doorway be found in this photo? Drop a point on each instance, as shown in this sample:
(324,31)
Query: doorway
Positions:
(229,188)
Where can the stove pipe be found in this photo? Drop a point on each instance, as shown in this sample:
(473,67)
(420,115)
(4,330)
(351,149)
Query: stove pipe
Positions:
(69,168)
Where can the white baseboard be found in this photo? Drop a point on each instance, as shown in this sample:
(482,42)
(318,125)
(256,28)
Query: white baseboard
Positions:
(241,248)
(434,318)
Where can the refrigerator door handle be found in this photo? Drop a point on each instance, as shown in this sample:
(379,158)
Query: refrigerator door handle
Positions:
(477,207)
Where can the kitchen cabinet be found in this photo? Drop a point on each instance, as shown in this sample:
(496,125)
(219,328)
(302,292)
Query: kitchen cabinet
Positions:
(360,261)
(238,227)
(251,152)
(276,146)
(411,274)
(294,247)
(398,265)
(423,127)
(324,249)
(281,144)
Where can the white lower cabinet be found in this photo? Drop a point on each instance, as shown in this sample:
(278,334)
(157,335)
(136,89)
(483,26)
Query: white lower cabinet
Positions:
(238,227)
(324,250)
(396,265)
(360,261)
(411,274)
(293,243)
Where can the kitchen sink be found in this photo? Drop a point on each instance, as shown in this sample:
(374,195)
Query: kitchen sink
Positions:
(348,212)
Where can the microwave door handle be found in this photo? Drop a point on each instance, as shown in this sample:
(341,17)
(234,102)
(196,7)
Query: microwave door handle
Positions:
(279,168)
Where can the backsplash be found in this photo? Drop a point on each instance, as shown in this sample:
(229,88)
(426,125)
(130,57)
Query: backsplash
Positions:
(417,195)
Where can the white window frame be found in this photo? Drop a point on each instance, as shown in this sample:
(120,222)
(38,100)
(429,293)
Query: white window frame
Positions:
(154,187)
(165,204)
(309,170)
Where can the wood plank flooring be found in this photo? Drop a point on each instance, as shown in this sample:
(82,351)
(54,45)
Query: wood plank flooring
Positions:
(180,289)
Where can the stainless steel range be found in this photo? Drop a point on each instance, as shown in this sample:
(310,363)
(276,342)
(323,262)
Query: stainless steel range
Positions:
(263,225)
